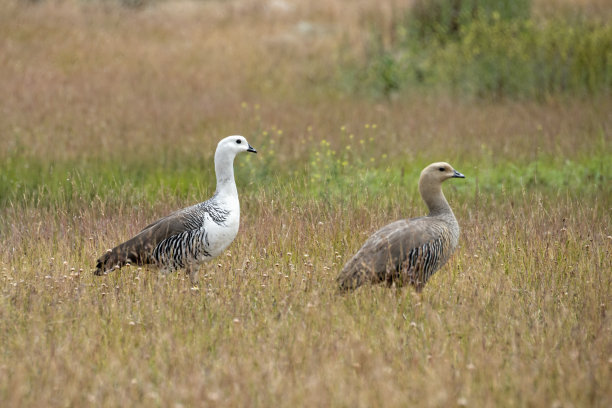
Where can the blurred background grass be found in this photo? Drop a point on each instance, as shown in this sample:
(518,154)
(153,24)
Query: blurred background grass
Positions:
(490,49)
(110,113)
(91,100)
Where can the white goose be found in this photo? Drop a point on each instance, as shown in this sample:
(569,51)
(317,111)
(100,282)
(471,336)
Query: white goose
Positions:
(188,237)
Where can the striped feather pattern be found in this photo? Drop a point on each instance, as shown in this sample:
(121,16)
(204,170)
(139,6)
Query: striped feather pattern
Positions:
(409,251)
(172,243)
(192,235)
(182,249)
(422,262)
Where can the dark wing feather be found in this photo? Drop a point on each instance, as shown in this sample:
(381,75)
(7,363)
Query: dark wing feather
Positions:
(139,249)
(385,252)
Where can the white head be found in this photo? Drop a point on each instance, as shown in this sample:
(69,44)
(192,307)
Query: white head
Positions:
(234,145)
(227,149)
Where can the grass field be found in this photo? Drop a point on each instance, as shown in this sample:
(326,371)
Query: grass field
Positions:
(109,119)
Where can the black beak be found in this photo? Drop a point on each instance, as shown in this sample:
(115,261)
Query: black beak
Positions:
(456,174)
(251,149)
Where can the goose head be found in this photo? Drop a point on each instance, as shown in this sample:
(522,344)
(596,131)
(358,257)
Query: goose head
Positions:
(439,172)
(233,145)
(430,186)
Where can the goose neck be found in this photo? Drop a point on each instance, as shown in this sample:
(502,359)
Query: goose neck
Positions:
(434,198)
(224,171)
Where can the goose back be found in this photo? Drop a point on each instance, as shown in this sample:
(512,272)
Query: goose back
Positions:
(404,252)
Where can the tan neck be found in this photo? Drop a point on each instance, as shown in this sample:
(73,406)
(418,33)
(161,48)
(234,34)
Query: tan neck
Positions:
(431,192)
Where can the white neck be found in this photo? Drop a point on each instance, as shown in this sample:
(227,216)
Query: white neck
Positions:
(224,170)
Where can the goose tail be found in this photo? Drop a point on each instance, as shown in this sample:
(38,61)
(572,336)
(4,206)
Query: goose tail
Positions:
(350,279)
(109,261)
(112,259)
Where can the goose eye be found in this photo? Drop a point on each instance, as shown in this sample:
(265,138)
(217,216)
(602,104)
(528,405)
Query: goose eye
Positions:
(238,141)
(441,169)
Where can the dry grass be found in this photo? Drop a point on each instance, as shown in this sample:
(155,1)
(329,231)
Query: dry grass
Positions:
(519,317)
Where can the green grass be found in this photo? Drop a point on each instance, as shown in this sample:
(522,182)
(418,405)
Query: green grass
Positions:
(95,150)
(324,173)
(488,49)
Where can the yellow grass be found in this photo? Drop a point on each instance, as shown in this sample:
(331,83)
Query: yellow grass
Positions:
(520,316)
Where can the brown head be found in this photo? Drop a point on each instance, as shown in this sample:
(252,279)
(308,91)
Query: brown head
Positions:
(430,185)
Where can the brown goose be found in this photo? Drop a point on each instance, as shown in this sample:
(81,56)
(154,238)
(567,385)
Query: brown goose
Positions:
(193,235)
(409,251)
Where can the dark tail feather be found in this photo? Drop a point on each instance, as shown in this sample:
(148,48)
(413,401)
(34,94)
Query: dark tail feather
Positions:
(134,251)
(350,280)
(110,260)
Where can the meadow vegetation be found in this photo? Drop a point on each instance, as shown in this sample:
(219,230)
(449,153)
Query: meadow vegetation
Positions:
(489,49)
(110,116)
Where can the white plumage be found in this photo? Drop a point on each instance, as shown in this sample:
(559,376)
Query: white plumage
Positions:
(188,237)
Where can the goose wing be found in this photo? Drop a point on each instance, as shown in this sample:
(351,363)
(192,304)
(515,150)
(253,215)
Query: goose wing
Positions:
(138,249)
(386,251)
